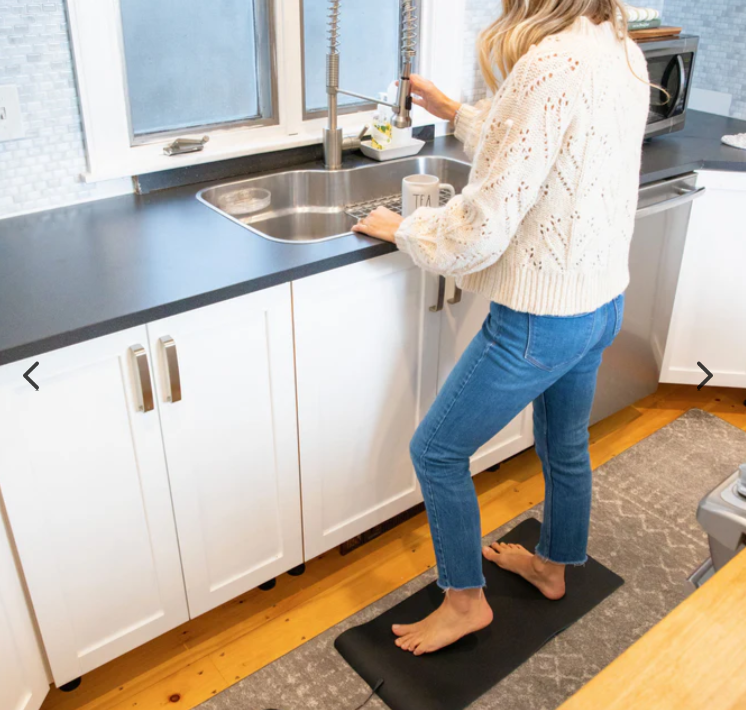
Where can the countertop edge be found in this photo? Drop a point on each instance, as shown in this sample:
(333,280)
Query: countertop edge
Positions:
(143,317)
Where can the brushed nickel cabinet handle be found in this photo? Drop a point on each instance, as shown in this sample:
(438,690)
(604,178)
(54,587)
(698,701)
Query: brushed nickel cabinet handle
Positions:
(173,376)
(441,295)
(457,293)
(144,385)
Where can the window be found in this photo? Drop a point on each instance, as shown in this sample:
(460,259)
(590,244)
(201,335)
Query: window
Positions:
(192,64)
(369,49)
(251,74)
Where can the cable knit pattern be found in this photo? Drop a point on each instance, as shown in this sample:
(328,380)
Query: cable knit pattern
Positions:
(545,223)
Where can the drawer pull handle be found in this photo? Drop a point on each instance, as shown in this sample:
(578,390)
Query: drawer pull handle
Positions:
(173,375)
(144,385)
(457,293)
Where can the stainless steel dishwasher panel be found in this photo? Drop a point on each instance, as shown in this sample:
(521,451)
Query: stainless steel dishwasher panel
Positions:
(631,366)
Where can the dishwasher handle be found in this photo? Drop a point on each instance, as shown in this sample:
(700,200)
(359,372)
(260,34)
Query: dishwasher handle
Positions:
(684,198)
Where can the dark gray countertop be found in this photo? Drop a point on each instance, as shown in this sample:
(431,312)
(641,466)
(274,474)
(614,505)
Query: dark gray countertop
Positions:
(697,146)
(80,272)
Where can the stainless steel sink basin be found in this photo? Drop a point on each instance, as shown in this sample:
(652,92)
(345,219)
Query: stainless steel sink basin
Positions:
(312,205)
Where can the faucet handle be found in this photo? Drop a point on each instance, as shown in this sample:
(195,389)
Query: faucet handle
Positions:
(353,142)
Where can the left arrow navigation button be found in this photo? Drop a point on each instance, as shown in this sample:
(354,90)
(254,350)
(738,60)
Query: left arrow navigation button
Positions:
(28,378)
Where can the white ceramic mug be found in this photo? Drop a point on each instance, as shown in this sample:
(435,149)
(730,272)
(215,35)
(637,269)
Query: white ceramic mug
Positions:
(422,191)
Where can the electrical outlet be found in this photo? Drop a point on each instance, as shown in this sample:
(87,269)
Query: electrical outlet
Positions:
(11,122)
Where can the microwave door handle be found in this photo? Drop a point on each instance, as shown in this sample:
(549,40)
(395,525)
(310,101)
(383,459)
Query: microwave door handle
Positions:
(682,85)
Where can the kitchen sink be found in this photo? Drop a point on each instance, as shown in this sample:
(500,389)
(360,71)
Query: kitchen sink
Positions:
(308,206)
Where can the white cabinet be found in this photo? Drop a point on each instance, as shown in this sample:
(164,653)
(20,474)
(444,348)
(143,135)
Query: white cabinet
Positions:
(463,315)
(83,476)
(23,679)
(366,359)
(709,315)
(231,442)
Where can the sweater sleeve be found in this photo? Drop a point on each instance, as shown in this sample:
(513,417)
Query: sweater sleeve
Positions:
(468,124)
(525,130)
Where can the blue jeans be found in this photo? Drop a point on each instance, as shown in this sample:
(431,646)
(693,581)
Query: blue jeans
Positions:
(516,358)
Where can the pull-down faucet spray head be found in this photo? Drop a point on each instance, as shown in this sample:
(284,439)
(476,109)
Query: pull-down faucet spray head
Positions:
(409,30)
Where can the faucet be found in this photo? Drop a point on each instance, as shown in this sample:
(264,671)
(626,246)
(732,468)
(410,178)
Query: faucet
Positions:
(334,141)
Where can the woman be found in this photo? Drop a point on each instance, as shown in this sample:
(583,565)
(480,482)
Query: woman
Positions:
(543,230)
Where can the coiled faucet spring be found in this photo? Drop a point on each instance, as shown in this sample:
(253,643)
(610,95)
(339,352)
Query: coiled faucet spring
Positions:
(333,26)
(409,30)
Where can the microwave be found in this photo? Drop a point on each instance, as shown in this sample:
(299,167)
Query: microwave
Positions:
(671,66)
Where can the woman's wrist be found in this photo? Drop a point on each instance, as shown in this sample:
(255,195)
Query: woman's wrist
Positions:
(453,108)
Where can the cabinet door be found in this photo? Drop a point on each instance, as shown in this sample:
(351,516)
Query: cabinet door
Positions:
(366,357)
(231,442)
(84,479)
(463,316)
(709,312)
(23,679)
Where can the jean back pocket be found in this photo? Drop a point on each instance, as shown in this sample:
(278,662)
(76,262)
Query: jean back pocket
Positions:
(556,342)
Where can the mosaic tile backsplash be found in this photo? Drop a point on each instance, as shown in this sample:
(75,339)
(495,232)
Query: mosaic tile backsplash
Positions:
(479,14)
(43,169)
(721,26)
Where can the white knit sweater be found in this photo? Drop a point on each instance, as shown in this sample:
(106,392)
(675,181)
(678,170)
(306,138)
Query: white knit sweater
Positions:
(545,223)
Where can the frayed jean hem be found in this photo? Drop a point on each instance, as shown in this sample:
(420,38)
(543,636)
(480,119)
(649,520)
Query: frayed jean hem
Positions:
(447,587)
(544,558)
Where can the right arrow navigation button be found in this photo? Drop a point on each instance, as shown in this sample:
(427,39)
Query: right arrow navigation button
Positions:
(707,379)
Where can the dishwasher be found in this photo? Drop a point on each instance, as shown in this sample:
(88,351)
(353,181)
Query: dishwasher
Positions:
(632,364)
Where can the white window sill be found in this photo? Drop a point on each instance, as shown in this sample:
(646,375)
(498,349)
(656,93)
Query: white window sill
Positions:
(226,145)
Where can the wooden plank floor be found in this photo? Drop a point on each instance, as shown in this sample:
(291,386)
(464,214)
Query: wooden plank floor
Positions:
(203,657)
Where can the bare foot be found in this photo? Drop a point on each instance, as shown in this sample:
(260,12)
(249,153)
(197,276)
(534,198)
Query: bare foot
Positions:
(547,577)
(462,613)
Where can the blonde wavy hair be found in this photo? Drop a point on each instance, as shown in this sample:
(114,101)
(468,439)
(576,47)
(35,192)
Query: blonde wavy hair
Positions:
(527,22)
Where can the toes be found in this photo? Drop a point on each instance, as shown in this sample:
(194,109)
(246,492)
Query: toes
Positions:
(490,554)
(401,629)
(417,646)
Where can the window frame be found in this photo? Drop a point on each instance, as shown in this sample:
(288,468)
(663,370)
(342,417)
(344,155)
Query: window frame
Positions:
(98,51)
(266,88)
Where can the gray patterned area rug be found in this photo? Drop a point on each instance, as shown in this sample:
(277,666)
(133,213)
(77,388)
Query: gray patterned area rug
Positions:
(644,528)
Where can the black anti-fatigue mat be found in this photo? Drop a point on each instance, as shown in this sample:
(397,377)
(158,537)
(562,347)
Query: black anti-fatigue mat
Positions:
(453,678)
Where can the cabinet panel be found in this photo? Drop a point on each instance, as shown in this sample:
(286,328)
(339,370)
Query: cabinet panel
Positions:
(84,480)
(710,308)
(366,356)
(231,443)
(23,679)
(461,322)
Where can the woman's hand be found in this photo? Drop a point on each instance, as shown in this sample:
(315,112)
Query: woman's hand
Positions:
(381,223)
(432,99)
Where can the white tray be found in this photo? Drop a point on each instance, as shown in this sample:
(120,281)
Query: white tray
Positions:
(412,147)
